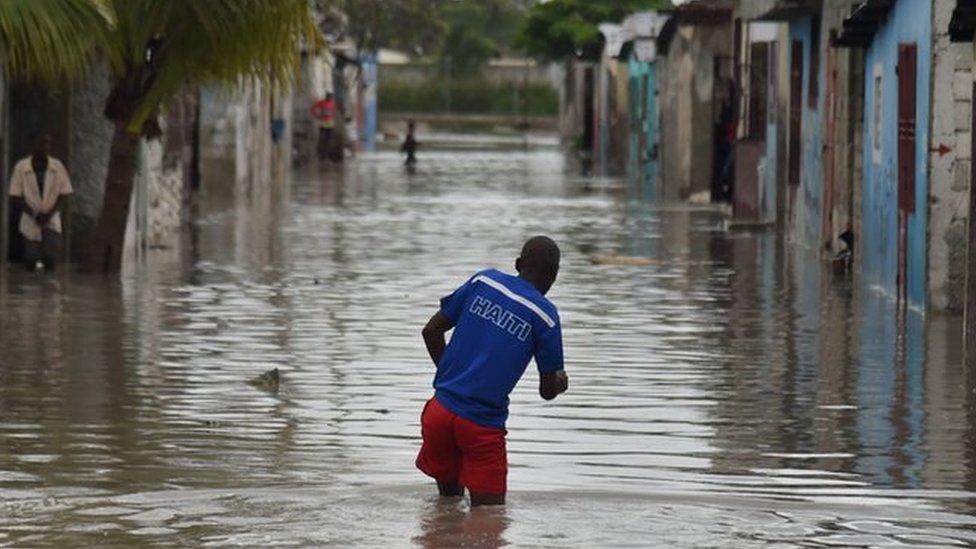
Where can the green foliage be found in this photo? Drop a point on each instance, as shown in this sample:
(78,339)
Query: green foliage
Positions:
(409,25)
(156,47)
(463,34)
(468,96)
(558,29)
(48,40)
(467,45)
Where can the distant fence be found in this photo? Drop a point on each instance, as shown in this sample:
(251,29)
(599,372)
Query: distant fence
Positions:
(468,96)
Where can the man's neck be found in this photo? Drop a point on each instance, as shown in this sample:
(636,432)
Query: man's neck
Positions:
(528,278)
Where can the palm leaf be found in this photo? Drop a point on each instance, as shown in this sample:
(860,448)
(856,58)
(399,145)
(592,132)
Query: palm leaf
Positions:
(201,43)
(48,40)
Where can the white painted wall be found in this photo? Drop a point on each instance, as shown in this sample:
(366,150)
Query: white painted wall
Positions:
(949,174)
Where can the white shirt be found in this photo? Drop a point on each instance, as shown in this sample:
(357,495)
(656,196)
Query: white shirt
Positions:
(23,183)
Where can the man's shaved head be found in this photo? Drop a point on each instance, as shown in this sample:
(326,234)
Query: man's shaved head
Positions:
(539,262)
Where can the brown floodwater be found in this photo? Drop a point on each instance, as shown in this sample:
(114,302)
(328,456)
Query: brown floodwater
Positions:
(731,393)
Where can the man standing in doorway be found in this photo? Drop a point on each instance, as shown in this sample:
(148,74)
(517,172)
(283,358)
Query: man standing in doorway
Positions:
(39,186)
(323,112)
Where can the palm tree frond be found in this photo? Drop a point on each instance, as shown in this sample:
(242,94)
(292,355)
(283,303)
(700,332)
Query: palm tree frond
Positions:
(48,40)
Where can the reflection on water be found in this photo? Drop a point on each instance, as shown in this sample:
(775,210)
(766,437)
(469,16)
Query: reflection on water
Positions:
(728,394)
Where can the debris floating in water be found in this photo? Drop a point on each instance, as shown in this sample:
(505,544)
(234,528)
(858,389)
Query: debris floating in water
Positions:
(268,381)
(624,260)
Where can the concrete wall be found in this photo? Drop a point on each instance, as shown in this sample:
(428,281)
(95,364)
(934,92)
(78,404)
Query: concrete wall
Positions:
(842,69)
(771,178)
(235,136)
(909,21)
(610,147)
(687,109)
(808,205)
(950,172)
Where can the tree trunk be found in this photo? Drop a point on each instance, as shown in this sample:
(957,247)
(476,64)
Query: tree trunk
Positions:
(105,255)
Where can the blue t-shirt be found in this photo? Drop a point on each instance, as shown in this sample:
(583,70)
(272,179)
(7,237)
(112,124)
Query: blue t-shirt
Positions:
(501,322)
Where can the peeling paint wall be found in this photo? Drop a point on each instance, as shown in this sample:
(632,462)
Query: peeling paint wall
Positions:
(950,168)
(688,109)
(235,137)
(807,209)
(843,103)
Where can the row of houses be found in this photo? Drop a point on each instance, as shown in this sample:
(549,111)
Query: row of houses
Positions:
(822,118)
(222,141)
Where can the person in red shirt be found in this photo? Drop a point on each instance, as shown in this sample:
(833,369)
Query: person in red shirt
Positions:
(323,111)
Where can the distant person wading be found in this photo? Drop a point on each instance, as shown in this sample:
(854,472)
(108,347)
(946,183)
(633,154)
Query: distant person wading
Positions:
(323,111)
(410,144)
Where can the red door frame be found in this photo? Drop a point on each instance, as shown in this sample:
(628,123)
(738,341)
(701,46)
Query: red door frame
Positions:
(796,128)
(907,69)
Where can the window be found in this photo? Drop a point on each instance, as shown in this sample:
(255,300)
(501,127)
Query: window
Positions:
(813,93)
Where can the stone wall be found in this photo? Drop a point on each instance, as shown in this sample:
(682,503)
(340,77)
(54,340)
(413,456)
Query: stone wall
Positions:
(950,167)
(687,108)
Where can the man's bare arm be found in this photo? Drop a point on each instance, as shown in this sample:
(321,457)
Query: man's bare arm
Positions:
(434,333)
(22,204)
(553,384)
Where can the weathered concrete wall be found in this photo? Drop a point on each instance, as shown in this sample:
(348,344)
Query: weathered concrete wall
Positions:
(235,139)
(808,206)
(950,172)
(843,107)
(688,109)
(782,93)
(167,196)
(90,146)
(573,101)
(775,35)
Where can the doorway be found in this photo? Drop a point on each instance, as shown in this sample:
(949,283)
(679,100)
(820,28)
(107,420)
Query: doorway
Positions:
(796,127)
(907,68)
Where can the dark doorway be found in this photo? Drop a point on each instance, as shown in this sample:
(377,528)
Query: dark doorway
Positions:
(796,111)
(588,122)
(758,88)
(907,64)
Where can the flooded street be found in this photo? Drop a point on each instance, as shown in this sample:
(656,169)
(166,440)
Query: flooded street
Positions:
(728,394)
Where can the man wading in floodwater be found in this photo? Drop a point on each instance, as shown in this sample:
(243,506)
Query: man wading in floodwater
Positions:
(500,322)
(39,185)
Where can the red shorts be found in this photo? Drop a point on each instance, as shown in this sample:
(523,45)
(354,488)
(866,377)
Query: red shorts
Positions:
(458,450)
